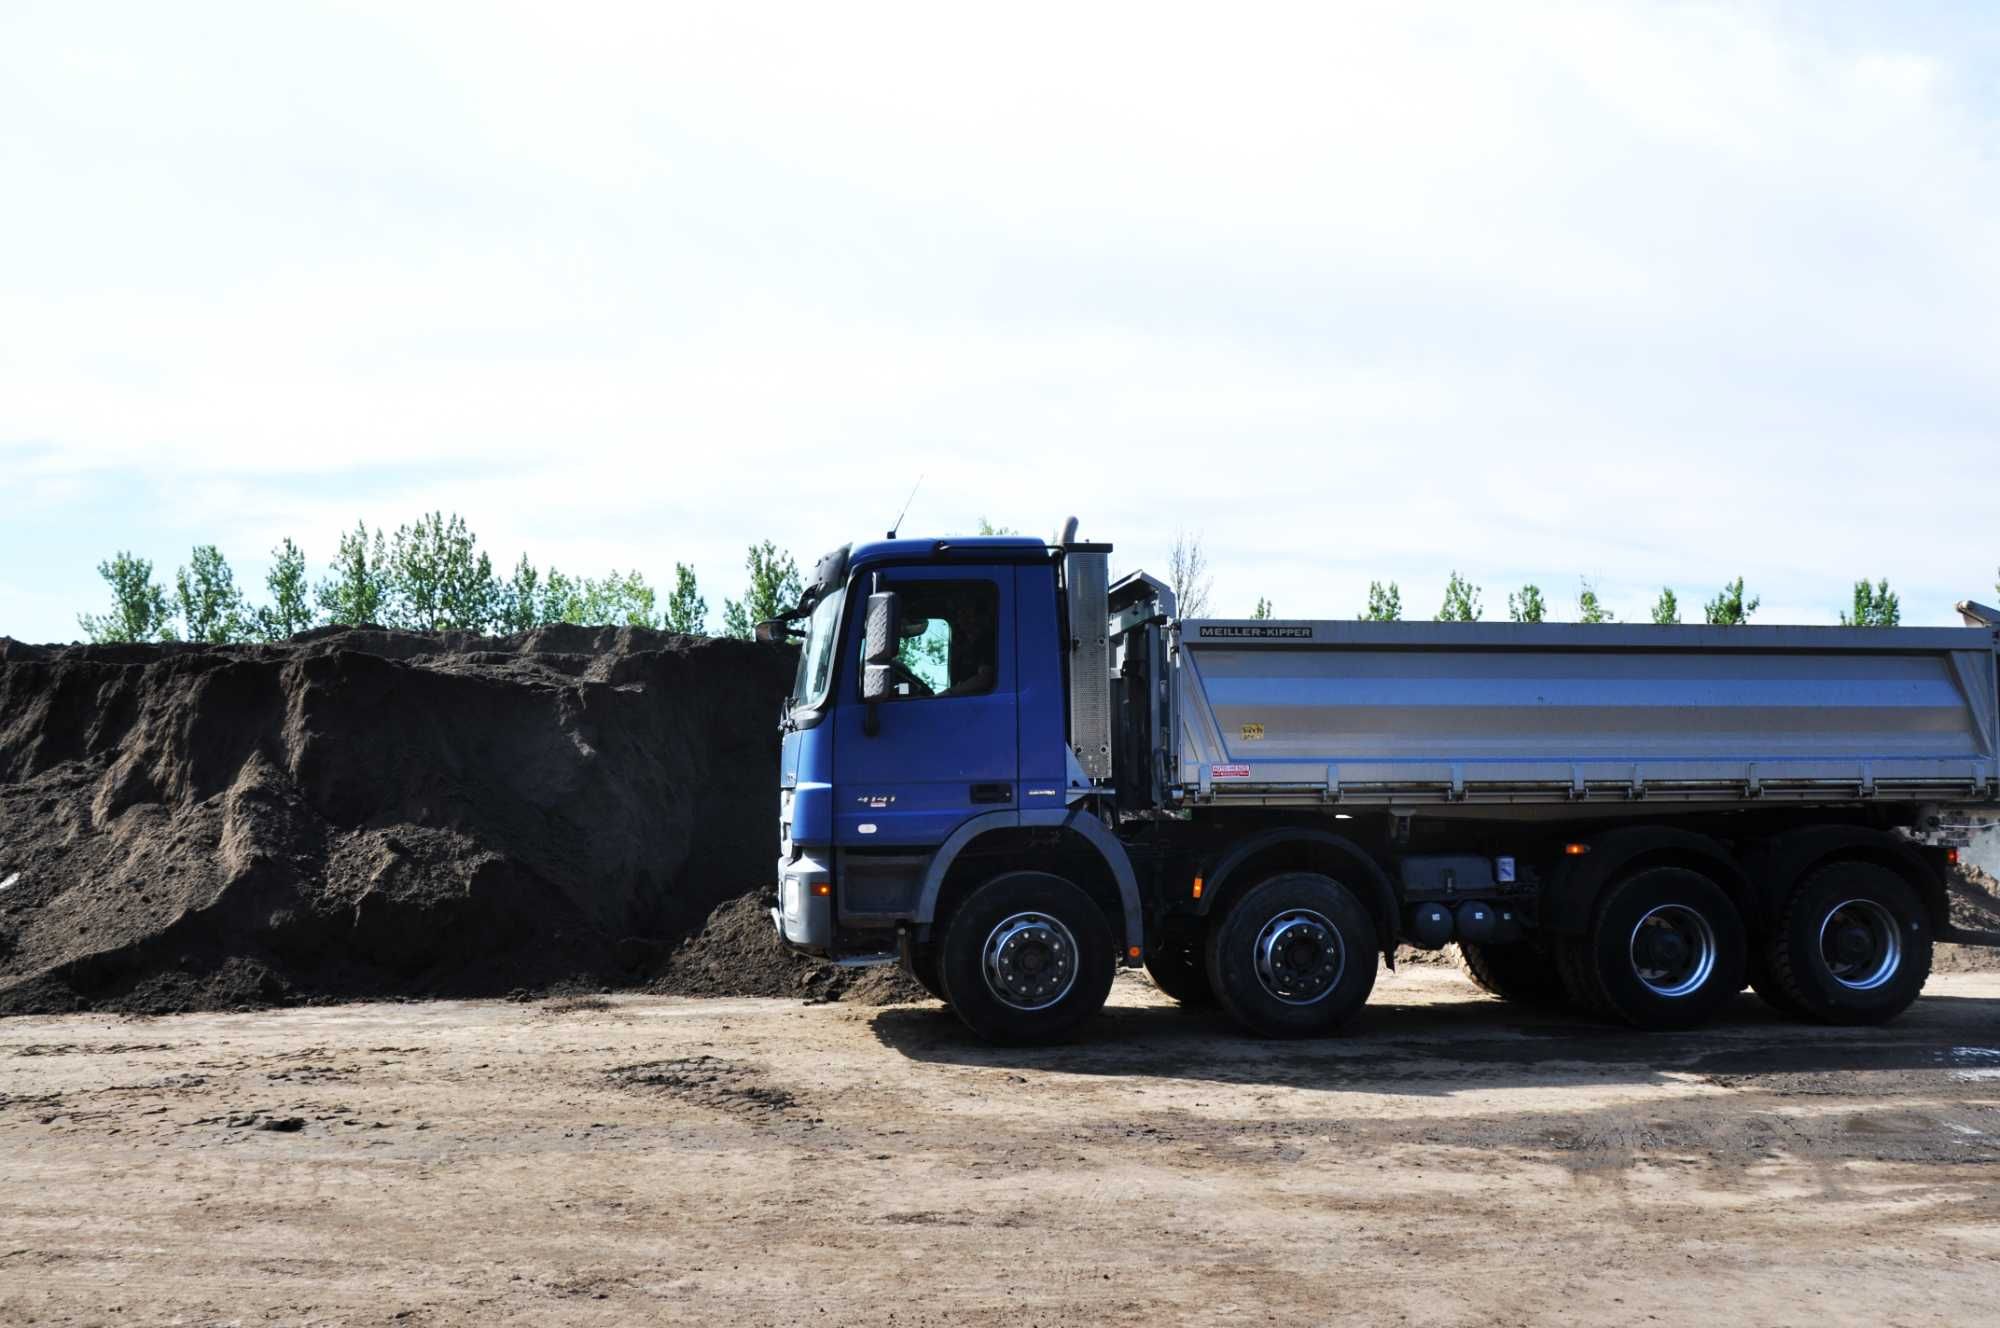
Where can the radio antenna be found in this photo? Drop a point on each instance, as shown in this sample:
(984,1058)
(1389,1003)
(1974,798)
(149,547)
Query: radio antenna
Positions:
(898,524)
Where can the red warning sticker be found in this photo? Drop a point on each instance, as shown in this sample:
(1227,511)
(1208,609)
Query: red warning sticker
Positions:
(1229,772)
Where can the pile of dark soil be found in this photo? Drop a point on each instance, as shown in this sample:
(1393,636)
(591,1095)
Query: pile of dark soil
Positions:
(737,953)
(1975,906)
(366,813)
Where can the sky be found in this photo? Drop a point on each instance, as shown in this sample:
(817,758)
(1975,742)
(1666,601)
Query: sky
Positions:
(1652,295)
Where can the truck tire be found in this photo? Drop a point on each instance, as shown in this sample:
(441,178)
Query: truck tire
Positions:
(1853,945)
(1523,972)
(1666,950)
(1178,963)
(1025,958)
(922,966)
(1764,981)
(1294,956)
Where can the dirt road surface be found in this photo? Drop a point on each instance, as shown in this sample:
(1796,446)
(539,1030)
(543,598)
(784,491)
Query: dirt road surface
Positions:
(649,1159)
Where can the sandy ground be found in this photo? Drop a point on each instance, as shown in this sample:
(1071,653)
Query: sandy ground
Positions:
(649,1159)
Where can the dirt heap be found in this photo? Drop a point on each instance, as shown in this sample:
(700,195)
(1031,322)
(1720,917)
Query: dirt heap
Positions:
(373,813)
(1975,906)
(737,953)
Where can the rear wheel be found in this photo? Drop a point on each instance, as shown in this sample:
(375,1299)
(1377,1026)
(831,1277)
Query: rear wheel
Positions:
(1025,958)
(1295,956)
(1853,945)
(1178,964)
(1523,971)
(1666,950)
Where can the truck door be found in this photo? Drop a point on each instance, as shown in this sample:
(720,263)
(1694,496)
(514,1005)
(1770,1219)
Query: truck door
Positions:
(946,747)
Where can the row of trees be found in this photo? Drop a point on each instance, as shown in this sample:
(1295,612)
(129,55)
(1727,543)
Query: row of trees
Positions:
(430,576)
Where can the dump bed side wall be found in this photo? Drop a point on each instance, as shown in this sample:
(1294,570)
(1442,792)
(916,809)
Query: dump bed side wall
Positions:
(1436,711)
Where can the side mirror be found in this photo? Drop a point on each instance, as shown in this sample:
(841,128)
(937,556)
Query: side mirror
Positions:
(881,642)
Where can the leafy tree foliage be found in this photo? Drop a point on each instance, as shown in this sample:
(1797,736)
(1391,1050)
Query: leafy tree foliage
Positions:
(1589,609)
(1461,601)
(290,609)
(687,611)
(1728,608)
(774,587)
(1263,609)
(139,610)
(358,590)
(1526,607)
(1874,606)
(1667,609)
(210,605)
(1385,603)
(438,578)
(519,605)
(988,528)
(1187,574)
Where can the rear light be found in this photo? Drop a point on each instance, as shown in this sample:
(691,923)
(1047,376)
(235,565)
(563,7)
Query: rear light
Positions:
(1951,856)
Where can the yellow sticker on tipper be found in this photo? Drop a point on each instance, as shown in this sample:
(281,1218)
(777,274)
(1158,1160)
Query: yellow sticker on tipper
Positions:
(1253,732)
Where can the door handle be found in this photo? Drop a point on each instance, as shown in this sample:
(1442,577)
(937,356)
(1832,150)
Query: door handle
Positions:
(992,792)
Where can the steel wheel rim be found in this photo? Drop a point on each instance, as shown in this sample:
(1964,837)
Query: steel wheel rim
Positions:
(1029,960)
(1300,956)
(1860,944)
(1672,950)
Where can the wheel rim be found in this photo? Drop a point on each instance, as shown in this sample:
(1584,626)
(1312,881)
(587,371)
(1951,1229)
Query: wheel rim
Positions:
(1673,950)
(1860,944)
(1029,960)
(1300,956)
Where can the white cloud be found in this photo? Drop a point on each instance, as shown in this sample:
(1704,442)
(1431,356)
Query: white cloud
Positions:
(1648,295)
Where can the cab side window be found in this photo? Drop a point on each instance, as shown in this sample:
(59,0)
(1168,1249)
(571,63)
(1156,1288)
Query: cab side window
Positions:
(950,638)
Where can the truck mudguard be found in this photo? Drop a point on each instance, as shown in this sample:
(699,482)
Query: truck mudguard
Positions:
(1788,857)
(1083,823)
(1368,879)
(1571,895)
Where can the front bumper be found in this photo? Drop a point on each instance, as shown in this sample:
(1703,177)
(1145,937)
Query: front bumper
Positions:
(804,915)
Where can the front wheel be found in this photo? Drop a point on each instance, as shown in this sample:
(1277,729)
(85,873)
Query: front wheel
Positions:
(1853,945)
(1295,956)
(1666,950)
(1025,958)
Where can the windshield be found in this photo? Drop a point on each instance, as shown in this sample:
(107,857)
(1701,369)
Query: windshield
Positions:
(816,656)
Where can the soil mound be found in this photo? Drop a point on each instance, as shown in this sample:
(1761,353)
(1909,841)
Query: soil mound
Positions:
(1975,906)
(366,813)
(737,953)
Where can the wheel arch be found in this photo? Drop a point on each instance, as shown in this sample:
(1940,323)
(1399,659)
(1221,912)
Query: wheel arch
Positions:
(1570,899)
(1779,864)
(1244,862)
(1072,844)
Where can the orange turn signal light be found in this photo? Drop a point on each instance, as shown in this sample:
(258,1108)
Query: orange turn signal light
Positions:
(1575,850)
(1132,950)
(1197,887)
(822,888)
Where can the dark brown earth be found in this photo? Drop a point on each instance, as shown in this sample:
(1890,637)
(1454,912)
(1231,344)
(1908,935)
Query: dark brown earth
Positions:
(360,813)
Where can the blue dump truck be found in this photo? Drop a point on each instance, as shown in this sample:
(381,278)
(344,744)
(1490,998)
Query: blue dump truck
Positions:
(1011,776)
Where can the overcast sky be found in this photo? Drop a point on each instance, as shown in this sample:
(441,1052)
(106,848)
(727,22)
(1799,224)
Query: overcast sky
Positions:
(1653,295)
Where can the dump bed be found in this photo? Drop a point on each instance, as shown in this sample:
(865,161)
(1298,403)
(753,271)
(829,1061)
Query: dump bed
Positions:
(1373,713)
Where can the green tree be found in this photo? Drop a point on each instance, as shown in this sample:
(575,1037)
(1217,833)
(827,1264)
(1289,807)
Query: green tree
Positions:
(358,590)
(211,607)
(687,611)
(1667,609)
(1526,607)
(438,578)
(290,609)
(988,528)
(620,599)
(1385,603)
(1728,608)
(1461,601)
(139,610)
(1874,606)
(519,604)
(1589,609)
(774,587)
(1263,609)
